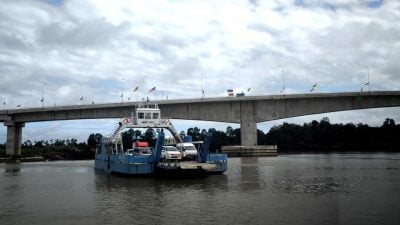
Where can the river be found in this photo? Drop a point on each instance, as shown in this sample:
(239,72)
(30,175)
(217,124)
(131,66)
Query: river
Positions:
(288,189)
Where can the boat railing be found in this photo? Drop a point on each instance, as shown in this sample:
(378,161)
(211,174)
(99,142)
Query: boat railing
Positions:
(146,106)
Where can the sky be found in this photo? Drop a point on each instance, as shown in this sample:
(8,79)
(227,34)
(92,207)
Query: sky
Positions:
(63,50)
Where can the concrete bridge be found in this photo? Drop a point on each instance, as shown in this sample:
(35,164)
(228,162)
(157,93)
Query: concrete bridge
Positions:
(247,111)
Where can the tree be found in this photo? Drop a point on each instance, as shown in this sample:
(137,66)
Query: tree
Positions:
(38,144)
(138,134)
(230,131)
(190,131)
(182,134)
(196,134)
(150,136)
(92,141)
(127,138)
(389,123)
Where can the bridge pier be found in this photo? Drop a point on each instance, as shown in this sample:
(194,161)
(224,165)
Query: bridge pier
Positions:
(248,133)
(248,125)
(14,137)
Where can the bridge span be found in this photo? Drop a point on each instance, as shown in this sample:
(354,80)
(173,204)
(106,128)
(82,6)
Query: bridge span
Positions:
(246,110)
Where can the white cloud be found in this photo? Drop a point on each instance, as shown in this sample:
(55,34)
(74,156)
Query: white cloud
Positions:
(85,48)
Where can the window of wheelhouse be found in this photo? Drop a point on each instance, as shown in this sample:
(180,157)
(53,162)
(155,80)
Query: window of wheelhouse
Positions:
(148,116)
(156,115)
(141,115)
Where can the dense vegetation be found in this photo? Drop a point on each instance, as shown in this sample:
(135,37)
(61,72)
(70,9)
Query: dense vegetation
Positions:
(57,149)
(323,136)
(317,136)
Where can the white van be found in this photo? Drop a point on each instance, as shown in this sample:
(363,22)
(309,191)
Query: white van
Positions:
(188,150)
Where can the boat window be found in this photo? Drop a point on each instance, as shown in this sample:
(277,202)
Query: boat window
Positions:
(148,116)
(155,115)
(141,115)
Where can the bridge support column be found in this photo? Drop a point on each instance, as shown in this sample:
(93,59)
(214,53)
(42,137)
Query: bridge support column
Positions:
(14,137)
(248,133)
(248,125)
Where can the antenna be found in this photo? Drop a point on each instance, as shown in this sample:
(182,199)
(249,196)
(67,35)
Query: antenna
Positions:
(201,82)
(369,87)
(122,90)
(284,83)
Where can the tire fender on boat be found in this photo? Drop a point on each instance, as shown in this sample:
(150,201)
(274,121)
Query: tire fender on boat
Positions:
(126,120)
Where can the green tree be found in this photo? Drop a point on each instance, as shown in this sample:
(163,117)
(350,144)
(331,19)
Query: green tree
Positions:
(127,138)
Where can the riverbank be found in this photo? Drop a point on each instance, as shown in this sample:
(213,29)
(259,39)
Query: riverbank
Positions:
(50,154)
(22,159)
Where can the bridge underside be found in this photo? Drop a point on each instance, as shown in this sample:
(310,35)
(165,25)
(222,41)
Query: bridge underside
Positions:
(247,111)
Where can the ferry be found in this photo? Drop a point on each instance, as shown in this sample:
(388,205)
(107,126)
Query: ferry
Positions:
(142,159)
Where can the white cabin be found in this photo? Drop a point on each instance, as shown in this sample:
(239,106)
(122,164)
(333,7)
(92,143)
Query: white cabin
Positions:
(147,115)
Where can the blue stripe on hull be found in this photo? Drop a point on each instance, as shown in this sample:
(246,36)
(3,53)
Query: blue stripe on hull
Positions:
(129,165)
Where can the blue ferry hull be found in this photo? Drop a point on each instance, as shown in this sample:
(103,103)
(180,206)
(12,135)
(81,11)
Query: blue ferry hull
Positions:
(129,165)
(113,160)
(144,165)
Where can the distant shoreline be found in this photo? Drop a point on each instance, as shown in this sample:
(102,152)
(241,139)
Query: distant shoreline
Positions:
(23,159)
(42,159)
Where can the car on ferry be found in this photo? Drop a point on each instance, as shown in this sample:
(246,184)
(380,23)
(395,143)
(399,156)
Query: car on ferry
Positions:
(139,151)
(188,150)
(139,148)
(170,153)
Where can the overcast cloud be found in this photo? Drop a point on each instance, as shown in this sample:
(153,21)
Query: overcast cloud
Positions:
(98,48)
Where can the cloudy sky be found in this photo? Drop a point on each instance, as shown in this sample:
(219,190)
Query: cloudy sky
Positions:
(99,49)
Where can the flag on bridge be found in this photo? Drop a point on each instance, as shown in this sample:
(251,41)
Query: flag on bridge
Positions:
(313,87)
(81,98)
(41,100)
(18,105)
(283,89)
(248,90)
(366,83)
(153,89)
(4,103)
(136,89)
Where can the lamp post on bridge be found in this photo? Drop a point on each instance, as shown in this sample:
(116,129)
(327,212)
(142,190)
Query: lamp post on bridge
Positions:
(369,87)
(122,90)
(202,89)
(284,84)
(42,100)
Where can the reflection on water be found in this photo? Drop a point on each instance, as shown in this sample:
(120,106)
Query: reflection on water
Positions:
(322,189)
(12,169)
(249,174)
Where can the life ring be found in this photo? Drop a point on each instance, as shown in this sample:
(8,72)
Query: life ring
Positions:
(126,120)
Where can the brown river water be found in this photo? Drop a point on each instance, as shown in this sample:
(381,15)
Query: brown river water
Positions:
(288,189)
